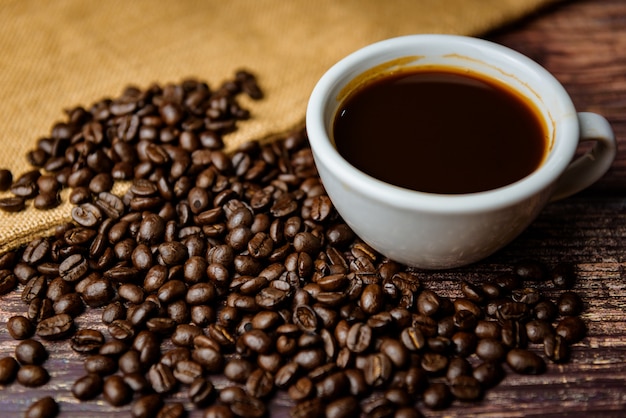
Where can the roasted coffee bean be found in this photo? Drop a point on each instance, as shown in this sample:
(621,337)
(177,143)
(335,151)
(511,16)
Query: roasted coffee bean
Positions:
(12,204)
(359,337)
(35,288)
(434,363)
(238,370)
(147,406)
(172,410)
(6,178)
(161,378)
(249,406)
(545,310)
(346,407)
(525,362)
(116,391)
(569,304)
(87,387)
(487,329)
(112,312)
(563,275)
(186,371)
(490,349)
(45,407)
(121,329)
(531,270)
(537,330)
(466,388)
(56,327)
(413,339)
(572,329)
(556,348)
(101,364)
(32,375)
(39,309)
(458,366)
(20,327)
(218,411)
(8,281)
(8,370)
(211,359)
(30,352)
(69,303)
(488,373)
(437,396)
(260,383)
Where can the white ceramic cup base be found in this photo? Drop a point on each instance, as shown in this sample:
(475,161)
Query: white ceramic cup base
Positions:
(436,231)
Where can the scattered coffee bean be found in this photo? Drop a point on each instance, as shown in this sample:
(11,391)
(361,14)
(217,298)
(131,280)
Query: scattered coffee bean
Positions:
(45,407)
(32,375)
(87,387)
(8,370)
(30,352)
(20,327)
(525,362)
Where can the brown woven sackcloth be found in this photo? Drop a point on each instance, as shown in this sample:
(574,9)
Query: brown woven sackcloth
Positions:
(59,54)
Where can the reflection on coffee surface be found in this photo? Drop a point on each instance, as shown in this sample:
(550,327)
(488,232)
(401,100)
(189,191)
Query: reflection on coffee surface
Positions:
(440,130)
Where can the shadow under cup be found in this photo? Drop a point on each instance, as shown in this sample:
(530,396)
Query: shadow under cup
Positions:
(433,230)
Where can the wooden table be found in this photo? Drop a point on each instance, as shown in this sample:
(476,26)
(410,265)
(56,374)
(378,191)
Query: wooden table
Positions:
(584,44)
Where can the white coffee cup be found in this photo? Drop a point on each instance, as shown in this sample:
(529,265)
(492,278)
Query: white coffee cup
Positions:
(438,231)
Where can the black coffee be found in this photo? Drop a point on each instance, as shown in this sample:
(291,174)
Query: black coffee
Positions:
(440,131)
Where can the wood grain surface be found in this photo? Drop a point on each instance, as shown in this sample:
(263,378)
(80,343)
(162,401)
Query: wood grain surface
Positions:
(583,43)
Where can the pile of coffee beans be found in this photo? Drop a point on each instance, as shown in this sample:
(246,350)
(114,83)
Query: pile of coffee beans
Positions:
(225,279)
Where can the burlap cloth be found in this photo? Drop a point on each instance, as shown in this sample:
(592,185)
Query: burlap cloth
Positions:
(61,53)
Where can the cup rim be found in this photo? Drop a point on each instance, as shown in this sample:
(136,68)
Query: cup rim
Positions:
(559,156)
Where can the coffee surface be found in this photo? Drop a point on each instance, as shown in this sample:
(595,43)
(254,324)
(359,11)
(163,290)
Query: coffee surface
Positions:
(440,131)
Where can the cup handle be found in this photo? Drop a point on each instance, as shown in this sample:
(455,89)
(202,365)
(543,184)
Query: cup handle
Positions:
(588,168)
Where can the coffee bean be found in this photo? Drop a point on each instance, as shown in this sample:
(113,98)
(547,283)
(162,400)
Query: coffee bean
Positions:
(556,348)
(6,178)
(45,407)
(101,364)
(572,329)
(8,370)
(490,349)
(488,373)
(260,383)
(56,327)
(458,366)
(359,338)
(116,391)
(545,310)
(8,281)
(218,411)
(147,406)
(437,396)
(525,362)
(20,327)
(345,407)
(161,378)
(12,204)
(30,352)
(466,388)
(87,387)
(563,275)
(413,339)
(172,410)
(531,270)
(570,304)
(537,330)
(32,375)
